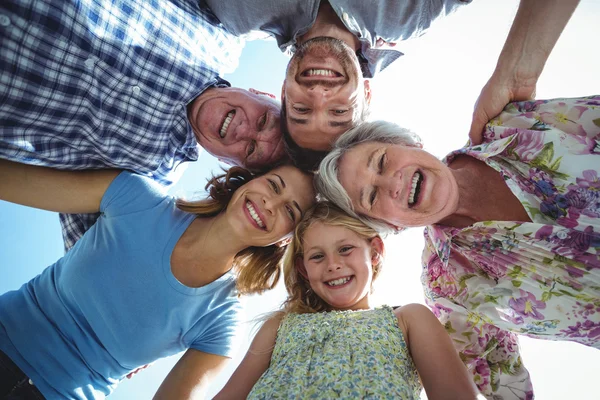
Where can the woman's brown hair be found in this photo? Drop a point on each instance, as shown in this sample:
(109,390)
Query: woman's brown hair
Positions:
(301,298)
(257,268)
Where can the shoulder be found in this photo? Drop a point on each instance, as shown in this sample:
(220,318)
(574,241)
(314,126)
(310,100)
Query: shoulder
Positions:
(410,313)
(128,187)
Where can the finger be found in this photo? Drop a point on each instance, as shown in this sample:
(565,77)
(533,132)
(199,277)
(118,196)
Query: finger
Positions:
(476,131)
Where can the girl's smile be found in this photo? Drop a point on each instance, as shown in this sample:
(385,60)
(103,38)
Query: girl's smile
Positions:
(339,265)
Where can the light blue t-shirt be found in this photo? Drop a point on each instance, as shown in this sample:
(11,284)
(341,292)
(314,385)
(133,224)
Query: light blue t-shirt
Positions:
(112,304)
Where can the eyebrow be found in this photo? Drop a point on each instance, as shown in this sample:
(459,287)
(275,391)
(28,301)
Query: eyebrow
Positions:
(280,180)
(362,190)
(298,120)
(343,124)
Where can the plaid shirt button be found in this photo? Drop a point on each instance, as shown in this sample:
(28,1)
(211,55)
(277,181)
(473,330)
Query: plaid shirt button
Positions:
(4,20)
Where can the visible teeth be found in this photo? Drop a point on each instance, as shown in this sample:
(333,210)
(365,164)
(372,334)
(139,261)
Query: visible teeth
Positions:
(254,215)
(322,72)
(415,182)
(338,282)
(223,130)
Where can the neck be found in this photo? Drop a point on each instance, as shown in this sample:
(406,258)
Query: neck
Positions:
(205,251)
(329,24)
(469,200)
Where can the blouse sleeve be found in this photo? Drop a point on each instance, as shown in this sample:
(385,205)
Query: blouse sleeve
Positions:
(490,353)
(576,120)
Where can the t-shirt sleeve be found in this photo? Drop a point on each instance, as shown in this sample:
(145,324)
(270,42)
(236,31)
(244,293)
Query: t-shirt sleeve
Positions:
(130,192)
(223,336)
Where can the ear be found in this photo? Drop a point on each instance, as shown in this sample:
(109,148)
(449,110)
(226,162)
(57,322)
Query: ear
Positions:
(300,267)
(367,91)
(271,95)
(284,242)
(377,249)
(283,92)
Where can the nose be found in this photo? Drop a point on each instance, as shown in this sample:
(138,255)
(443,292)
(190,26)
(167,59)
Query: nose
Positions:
(334,264)
(393,185)
(273,203)
(319,94)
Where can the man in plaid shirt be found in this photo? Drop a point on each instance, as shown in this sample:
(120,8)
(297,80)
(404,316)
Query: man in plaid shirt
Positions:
(129,84)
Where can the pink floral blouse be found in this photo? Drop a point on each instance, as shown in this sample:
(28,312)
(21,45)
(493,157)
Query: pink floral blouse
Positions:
(495,280)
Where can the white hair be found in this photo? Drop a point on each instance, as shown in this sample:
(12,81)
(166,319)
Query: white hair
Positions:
(327,180)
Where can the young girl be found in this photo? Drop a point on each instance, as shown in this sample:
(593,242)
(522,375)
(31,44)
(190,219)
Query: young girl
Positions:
(329,343)
(150,279)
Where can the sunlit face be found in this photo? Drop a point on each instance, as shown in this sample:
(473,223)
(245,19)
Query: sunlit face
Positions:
(339,265)
(404,186)
(267,209)
(238,126)
(323,90)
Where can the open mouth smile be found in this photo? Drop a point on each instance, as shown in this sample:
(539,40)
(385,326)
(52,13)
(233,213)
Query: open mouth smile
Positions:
(321,73)
(226,122)
(415,189)
(255,216)
(339,281)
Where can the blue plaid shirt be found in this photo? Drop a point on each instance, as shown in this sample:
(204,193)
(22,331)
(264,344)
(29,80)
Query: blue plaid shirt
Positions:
(105,84)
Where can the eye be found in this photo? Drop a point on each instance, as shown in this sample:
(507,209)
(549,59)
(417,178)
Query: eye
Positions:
(340,112)
(373,197)
(274,186)
(382,161)
(251,148)
(346,249)
(262,121)
(316,257)
(301,110)
(290,211)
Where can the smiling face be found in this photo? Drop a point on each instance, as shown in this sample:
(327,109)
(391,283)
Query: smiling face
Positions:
(323,91)
(404,186)
(339,265)
(266,209)
(239,127)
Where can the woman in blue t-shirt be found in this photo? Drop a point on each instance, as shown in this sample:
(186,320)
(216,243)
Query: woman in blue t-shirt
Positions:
(153,277)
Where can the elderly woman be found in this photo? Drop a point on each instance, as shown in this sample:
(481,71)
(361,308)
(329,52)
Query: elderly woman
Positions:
(512,244)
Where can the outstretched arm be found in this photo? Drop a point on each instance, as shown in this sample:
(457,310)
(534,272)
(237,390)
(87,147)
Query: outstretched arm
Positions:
(535,30)
(52,189)
(254,364)
(442,373)
(190,377)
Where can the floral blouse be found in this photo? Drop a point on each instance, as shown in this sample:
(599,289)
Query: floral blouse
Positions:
(496,279)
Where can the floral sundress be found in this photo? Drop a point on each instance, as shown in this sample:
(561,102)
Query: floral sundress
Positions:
(494,280)
(340,355)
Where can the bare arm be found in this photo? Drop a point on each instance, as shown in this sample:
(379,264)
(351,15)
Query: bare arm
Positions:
(443,374)
(190,377)
(535,30)
(254,364)
(52,189)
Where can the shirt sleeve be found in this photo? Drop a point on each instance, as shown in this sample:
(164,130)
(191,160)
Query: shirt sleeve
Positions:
(221,337)
(130,192)
(491,354)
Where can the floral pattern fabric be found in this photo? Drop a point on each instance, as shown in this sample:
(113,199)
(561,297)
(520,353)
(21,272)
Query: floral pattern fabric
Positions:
(495,280)
(340,354)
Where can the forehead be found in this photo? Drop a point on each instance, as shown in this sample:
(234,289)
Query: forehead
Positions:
(335,233)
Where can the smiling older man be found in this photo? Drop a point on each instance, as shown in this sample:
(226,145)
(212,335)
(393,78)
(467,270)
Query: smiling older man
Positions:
(125,84)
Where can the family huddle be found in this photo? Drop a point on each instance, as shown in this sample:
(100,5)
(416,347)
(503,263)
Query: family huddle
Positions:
(100,101)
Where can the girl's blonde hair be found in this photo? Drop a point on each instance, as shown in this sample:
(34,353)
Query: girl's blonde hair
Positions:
(301,298)
(257,268)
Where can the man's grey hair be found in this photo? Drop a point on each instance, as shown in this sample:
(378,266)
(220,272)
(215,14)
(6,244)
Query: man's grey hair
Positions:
(327,180)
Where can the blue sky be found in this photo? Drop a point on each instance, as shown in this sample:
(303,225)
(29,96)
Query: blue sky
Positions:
(431,90)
